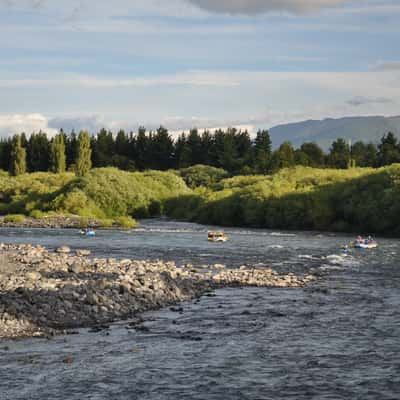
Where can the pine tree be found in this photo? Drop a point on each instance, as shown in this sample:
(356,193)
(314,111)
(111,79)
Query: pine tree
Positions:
(83,162)
(57,154)
(18,157)
(314,153)
(262,152)
(71,149)
(389,151)
(5,153)
(37,152)
(284,157)
(142,149)
(339,156)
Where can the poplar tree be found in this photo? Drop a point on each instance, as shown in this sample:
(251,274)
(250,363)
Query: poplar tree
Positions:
(83,162)
(57,154)
(18,157)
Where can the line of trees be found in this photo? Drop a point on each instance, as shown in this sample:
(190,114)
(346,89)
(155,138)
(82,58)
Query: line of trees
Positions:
(230,149)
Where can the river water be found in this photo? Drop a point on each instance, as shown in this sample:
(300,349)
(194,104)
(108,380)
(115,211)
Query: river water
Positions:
(338,339)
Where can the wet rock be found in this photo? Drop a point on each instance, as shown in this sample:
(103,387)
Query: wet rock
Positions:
(68,360)
(63,249)
(75,268)
(83,253)
(32,276)
(50,292)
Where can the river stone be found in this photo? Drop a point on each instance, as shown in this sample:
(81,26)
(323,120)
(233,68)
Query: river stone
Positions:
(75,268)
(63,249)
(83,253)
(32,276)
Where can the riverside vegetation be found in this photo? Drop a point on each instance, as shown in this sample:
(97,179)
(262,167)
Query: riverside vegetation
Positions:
(356,199)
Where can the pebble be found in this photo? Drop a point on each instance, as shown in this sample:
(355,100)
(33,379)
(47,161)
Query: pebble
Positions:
(48,293)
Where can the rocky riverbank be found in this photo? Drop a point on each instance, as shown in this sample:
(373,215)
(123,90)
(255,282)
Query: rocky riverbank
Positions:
(52,222)
(44,292)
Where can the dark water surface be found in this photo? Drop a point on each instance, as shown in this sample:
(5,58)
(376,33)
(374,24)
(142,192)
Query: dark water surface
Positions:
(339,339)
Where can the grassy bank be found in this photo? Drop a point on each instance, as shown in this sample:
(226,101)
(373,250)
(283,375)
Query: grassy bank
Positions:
(355,200)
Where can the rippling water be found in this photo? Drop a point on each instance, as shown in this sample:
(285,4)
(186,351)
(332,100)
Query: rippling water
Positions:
(339,339)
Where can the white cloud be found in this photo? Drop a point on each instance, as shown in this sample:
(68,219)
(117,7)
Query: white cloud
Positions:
(91,123)
(254,7)
(28,123)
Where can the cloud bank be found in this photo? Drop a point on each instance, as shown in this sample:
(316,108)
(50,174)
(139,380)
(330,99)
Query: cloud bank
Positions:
(28,123)
(254,7)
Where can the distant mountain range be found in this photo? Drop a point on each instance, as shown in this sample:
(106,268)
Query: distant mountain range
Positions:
(324,132)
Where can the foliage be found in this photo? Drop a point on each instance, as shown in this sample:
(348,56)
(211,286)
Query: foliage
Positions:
(126,222)
(230,149)
(57,154)
(366,200)
(38,152)
(14,218)
(202,175)
(83,162)
(358,199)
(18,157)
(105,193)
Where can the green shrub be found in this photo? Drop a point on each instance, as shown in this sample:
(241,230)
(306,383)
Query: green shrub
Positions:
(106,222)
(14,218)
(202,175)
(37,214)
(126,222)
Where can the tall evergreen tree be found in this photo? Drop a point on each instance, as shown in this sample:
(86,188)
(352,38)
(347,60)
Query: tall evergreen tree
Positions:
(71,149)
(182,156)
(37,152)
(193,148)
(206,147)
(5,154)
(388,150)
(284,157)
(339,156)
(83,163)
(18,157)
(314,153)
(262,152)
(162,149)
(226,150)
(243,148)
(142,149)
(103,148)
(57,154)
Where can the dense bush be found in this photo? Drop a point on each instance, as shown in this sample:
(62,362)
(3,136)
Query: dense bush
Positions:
(105,193)
(14,218)
(202,175)
(126,222)
(359,199)
(366,200)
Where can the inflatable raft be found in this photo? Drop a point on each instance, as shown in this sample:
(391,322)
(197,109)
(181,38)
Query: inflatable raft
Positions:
(365,245)
(87,233)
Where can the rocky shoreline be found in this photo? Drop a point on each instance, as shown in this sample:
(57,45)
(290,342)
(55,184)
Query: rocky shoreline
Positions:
(44,293)
(51,222)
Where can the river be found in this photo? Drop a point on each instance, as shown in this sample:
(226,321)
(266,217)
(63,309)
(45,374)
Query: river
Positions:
(338,339)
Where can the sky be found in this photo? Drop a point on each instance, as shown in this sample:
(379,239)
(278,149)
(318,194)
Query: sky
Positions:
(87,64)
